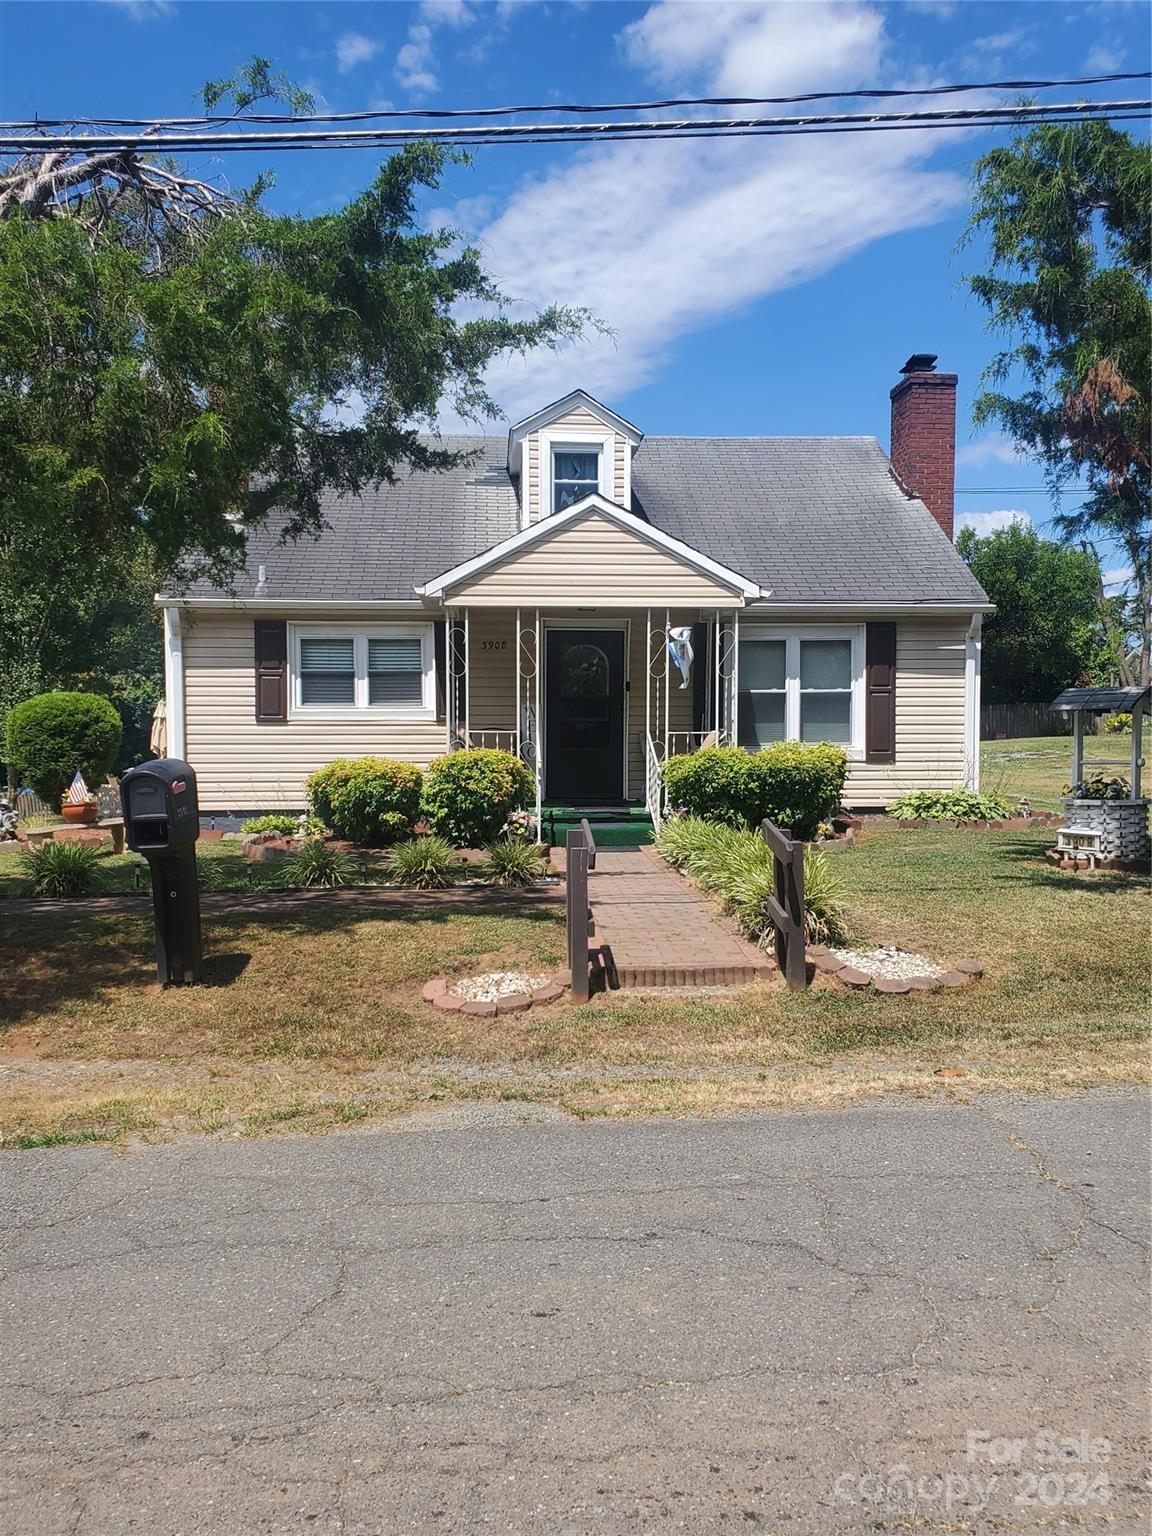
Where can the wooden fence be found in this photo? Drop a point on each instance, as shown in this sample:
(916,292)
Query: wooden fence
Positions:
(999,722)
(580,857)
(787,905)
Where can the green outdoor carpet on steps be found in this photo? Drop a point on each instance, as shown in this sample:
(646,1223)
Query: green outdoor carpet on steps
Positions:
(616,826)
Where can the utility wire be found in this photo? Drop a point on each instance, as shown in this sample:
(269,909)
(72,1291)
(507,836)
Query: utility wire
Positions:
(572,107)
(575,132)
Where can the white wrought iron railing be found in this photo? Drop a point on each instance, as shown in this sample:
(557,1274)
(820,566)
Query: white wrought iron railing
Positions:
(682,742)
(496,740)
(653,782)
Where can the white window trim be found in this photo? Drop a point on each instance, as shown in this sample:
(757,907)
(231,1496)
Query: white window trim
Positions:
(793,634)
(361,634)
(573,440)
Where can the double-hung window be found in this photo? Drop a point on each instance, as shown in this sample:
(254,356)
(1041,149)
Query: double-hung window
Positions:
(575,474)
(340,669)
(803,685)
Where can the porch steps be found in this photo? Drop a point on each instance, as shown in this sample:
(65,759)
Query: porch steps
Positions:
(613,826)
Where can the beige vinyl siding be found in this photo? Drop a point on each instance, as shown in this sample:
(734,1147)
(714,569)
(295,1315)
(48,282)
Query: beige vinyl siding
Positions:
(492,673)
(536,493)
(591,563)
(245,764)
(929,716)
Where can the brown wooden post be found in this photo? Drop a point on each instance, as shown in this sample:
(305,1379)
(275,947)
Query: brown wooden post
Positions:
(787,905)
(576,892)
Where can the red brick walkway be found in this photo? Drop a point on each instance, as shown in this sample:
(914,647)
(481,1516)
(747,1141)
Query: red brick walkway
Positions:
(656,932)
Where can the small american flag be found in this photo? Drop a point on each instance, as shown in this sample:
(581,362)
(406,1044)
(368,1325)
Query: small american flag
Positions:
(77,791)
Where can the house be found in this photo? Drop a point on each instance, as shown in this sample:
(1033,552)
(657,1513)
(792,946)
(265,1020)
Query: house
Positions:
(543,598)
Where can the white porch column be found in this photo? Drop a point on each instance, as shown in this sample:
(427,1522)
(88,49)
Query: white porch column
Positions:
(972,704)
(175,743)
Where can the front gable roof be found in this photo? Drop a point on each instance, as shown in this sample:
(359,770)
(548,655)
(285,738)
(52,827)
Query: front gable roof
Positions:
(550,529)
(576,399)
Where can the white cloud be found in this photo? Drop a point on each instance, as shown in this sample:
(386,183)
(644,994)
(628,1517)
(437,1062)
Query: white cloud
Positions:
(658,239)
(354,48)
(984,523)
(992,448)
(1102,59)
(1118,580)
(753,48)
(143,10)
(416,60)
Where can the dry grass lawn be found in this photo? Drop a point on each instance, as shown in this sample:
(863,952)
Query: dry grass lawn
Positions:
(311,1014)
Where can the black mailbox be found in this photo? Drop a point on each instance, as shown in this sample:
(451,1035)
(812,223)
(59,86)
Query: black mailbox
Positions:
(162,821)
(160,806)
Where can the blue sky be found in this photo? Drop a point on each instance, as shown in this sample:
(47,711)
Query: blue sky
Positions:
(770,286)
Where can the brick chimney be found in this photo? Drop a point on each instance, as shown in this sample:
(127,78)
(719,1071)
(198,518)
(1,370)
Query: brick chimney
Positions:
(924,435)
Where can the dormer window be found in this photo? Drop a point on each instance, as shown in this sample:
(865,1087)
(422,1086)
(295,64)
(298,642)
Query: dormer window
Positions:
(575,474)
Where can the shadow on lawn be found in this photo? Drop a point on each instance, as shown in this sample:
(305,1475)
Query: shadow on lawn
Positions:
(1030,867)
(83,957)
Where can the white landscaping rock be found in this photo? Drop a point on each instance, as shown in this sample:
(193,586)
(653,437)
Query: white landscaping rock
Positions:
(889,960)
(497,984)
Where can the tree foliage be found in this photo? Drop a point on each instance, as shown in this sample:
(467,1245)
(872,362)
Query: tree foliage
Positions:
(1066,213)
(1046,633)
(180,365)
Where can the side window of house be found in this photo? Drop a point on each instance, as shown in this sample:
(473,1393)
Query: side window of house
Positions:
(574,476)
(798,688)
(385,670)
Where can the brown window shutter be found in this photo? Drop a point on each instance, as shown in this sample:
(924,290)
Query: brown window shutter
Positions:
(880,708)
(271,642)
(440,652)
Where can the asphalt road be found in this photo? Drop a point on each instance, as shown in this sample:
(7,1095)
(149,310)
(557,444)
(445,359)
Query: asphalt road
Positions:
(850,1320)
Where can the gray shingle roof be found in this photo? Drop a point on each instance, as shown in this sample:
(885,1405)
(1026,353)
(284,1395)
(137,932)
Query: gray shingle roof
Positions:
(815,519)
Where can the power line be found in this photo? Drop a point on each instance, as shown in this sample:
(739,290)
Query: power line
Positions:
(439,113)
(562,132)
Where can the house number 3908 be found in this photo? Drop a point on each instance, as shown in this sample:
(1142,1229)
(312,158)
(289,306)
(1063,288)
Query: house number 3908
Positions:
(493,645)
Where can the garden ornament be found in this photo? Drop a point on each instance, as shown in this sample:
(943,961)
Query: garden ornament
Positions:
(680,650)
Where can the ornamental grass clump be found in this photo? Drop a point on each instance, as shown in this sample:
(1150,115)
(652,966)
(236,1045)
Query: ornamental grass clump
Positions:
(736,866)
(317,865)
(60,870)
(513,862)
(430,863)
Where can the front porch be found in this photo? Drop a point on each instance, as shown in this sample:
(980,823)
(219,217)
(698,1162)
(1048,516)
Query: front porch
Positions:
(594,701)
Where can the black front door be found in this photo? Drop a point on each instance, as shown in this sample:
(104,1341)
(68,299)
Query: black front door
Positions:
(584,710)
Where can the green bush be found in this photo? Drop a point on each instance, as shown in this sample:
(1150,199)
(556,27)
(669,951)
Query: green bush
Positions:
(53,736)
(428,862)
(511,861)
(1115,724)
(957,804)
(280,823)
(735,865)
(371,800)
(61,869)
(468,795)
(318,864)
(794,785)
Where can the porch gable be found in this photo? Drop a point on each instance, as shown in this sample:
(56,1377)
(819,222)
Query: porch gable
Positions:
(595,554)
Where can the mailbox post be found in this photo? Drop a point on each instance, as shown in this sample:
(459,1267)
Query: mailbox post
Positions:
(162,821)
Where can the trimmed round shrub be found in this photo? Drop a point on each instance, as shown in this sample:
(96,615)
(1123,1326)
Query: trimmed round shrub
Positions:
(794,785)
(715,783)
(798,786)
(370,800)
(468,795)
(54,736)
